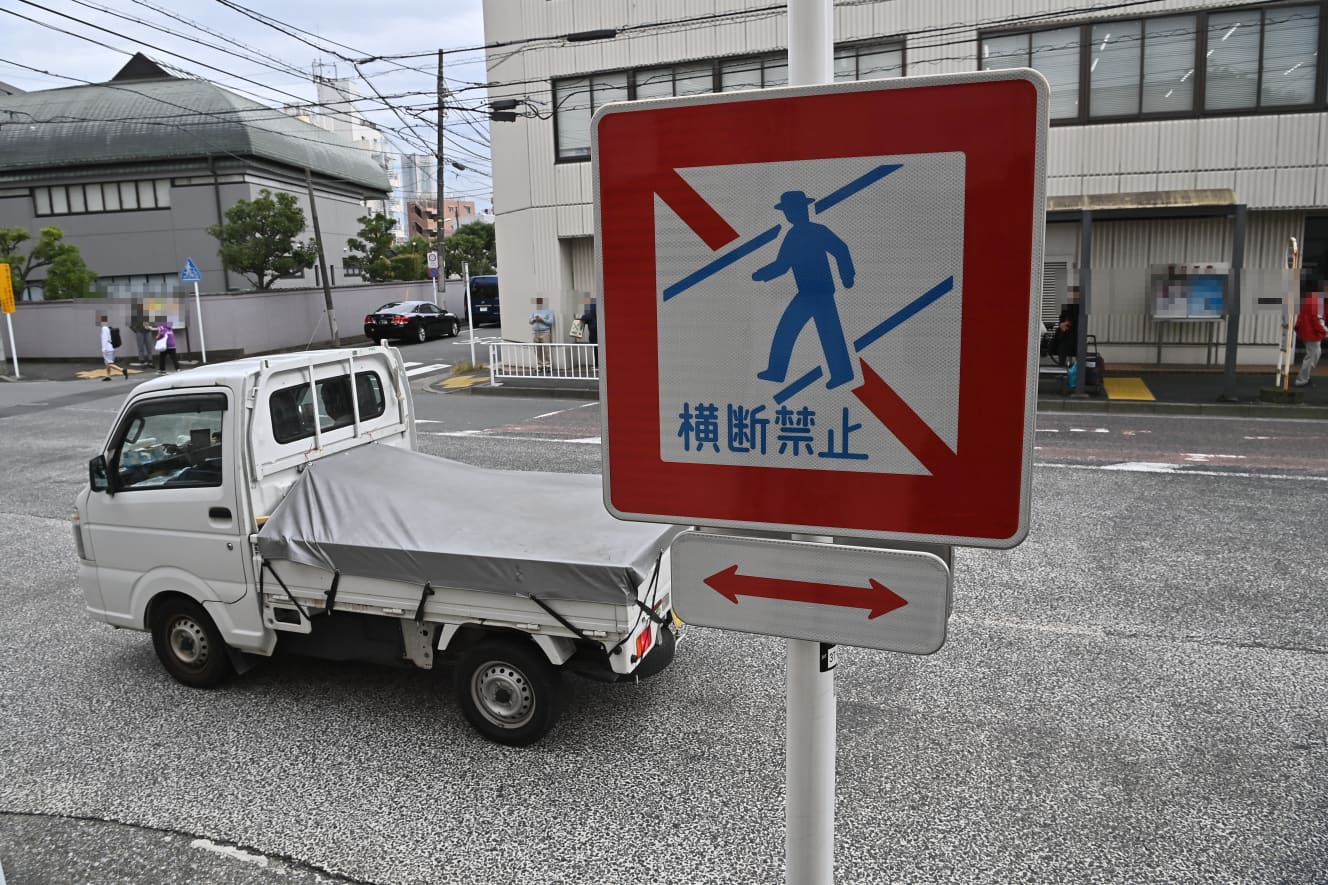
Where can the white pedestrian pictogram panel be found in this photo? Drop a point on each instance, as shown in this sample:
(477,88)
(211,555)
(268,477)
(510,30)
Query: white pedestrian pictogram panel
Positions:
(763,342)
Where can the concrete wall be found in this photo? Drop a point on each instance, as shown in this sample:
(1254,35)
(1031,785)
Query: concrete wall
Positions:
(233,325)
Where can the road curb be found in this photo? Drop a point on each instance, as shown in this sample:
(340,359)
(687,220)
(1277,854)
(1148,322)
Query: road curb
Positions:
(1244,409)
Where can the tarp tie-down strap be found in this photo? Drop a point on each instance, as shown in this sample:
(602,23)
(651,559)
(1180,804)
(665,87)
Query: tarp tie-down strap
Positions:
(650,612)
(557,617)
(267,564)
(332,592)
(424,594)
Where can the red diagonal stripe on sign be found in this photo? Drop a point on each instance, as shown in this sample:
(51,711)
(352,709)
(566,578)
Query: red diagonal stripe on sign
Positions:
(900,419)
(695,212)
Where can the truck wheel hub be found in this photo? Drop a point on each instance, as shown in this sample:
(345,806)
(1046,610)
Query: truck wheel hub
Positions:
(503,695)
(189,643)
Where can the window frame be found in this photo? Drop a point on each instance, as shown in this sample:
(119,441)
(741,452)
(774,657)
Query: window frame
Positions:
(298,394)
(170,405)
(762,60)
(1198,106)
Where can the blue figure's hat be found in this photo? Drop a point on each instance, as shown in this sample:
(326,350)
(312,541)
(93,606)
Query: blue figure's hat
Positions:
(793,198)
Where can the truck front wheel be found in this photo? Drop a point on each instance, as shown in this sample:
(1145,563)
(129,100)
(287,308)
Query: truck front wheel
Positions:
(508,691)
(189,645)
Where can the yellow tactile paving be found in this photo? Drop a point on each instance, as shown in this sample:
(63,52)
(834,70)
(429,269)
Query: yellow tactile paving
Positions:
(1128,388)
(457,381)
(101,373)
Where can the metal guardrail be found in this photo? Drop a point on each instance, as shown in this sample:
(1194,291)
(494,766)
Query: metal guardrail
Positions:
(558,362)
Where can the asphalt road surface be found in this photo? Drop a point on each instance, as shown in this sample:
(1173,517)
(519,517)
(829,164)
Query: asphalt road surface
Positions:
(1135,694)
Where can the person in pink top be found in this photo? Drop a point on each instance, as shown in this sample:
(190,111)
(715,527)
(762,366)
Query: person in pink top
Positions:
(164,331)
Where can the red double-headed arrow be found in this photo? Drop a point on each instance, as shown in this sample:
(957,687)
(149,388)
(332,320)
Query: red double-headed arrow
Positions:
(878,599)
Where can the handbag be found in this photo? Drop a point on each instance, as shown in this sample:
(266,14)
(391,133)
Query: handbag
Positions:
(578,330)
(160,346)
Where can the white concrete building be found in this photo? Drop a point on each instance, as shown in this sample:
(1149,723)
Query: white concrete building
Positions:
(1166,117)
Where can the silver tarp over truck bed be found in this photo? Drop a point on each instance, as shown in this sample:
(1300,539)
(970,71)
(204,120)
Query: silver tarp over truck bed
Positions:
(377,511)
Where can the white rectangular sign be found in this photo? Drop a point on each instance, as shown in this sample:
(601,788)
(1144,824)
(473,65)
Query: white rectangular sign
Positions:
(891,600)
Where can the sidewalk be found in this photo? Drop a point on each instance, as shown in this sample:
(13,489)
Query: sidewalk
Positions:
(1174,390)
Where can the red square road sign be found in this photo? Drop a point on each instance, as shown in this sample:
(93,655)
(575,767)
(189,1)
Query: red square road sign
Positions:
(819,306)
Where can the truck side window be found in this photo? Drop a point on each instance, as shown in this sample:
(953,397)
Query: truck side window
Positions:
(293,411)
(174,442)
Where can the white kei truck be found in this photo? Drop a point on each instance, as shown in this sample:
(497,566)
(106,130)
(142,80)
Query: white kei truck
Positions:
(279,501)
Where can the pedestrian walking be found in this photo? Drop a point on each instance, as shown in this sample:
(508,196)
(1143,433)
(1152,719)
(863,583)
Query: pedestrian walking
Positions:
(144,334)
(1311,330)
(541,325)
(165,347)
(108,349)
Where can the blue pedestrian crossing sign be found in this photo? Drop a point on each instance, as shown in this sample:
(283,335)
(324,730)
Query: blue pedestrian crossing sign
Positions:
(190,274)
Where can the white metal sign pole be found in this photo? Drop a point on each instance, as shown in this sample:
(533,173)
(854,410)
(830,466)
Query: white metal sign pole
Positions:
(470,309)
(809,750)
(13,351)
(198,309)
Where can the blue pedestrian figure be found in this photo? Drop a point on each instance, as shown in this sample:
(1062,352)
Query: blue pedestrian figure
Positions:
(806,251)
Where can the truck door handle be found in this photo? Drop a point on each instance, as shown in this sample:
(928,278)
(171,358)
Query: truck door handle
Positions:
(219,513)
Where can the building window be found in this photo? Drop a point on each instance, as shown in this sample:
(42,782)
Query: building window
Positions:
(1244,60)
(1054,54)
(575,102)
(576,99)
(869,61)
(114,196)
(1168,76)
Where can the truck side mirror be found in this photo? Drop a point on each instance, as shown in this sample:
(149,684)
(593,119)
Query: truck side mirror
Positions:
(98,476)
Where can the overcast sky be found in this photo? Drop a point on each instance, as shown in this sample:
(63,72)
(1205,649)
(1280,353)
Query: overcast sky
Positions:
(272,60)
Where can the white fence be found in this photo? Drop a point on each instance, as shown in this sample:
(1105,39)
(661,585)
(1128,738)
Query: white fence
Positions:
(559,362)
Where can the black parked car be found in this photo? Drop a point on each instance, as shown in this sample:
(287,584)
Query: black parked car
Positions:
(410,321)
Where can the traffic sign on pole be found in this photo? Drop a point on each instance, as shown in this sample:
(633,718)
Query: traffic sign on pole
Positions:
(863,596)
(821,317)
(190,273)
(433,260)
(6,289)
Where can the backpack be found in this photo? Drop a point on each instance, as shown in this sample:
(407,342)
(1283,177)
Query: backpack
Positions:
(115,336)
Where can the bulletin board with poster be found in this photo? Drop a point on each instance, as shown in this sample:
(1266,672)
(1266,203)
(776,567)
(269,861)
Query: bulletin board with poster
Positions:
(157,308)
(1189,293)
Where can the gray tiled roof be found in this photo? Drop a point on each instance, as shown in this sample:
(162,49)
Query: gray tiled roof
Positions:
(164,120)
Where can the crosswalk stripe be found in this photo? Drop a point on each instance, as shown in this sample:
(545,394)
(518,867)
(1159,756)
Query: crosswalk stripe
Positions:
(421,369)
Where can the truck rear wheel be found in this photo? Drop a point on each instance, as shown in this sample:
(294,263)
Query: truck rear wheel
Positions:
(189,645)
(508,691)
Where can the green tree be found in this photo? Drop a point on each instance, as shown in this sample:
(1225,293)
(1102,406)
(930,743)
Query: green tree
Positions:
(67,275)
(258,238)
(374,248)
(473,243)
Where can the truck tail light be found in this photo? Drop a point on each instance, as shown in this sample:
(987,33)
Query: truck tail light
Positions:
(644,641)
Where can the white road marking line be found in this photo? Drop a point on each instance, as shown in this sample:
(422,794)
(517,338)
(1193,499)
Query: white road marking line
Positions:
(560,411)
(487,435)
(229,851)
(434,367)
(427,421)
(1201,458)
(1048,430)
(1185,471)
(1145,467)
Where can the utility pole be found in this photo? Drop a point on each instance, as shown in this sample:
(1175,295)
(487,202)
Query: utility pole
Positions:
(442,256)
(322,262)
